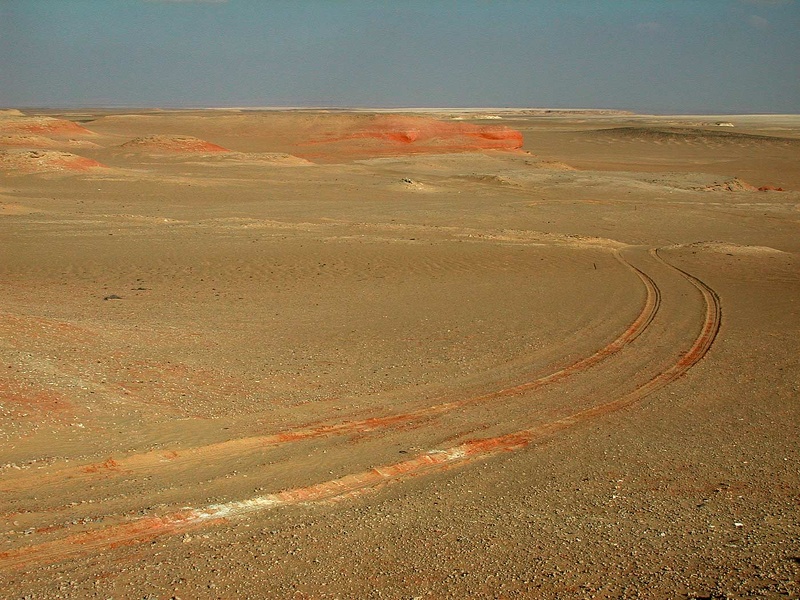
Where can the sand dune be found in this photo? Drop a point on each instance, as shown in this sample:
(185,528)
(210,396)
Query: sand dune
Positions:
(555,358)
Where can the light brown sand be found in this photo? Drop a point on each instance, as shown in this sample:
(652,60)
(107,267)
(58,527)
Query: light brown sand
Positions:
(314,354)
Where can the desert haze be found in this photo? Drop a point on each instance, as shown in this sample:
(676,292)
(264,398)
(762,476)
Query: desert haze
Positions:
(404,354)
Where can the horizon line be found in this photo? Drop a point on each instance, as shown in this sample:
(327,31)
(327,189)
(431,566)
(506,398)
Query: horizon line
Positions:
(408,108)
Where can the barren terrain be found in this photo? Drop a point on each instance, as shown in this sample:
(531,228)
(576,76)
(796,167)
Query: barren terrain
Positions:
(443,354)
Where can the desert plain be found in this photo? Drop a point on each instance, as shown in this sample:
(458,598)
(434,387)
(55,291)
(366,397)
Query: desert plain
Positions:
(448,353)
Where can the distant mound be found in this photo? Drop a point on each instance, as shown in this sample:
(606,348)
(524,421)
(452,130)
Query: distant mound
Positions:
(46,161)
(404,134)
(41,125)
(271,158)
(690,136)
(168,144)
(731,248)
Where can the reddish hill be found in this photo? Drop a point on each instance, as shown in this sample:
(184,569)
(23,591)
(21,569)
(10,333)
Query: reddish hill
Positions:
(406,134)
(41,125)
(45,161)
(172,143)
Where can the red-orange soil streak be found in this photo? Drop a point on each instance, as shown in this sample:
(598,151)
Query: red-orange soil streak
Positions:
(108,465)
(43,125)
(409,134)
(144,461)
(199,455)
(20,399)
(41,400)
(46,161)
(484,448)
(115,536)
(700,347)
(348,486)
(149,528)
(648,313)
(15,393)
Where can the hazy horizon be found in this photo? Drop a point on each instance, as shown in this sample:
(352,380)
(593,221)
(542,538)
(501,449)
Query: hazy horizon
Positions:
(345,108)
(644,56)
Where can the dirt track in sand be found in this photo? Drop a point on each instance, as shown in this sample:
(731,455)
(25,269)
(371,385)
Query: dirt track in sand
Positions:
(194,458)
(200,347)
(147,528)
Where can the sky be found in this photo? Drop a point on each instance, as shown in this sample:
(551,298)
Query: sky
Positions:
(652,56)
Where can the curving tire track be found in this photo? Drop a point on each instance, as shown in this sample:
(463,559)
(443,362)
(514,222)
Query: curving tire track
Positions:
(148,528)
(137,463)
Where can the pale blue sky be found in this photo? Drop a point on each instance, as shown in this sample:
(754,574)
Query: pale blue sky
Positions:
(645,55)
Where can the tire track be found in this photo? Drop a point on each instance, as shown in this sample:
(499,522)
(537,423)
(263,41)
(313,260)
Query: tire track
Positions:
(148,528)
(159,460)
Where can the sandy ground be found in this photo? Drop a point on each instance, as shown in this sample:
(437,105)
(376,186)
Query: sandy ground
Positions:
(330,354)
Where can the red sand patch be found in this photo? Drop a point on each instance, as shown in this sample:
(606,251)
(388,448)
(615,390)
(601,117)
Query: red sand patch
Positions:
(42,125)
(172,143)
(41,401)
(770,188)
(108,465)
(399,134)
(45,161)
(23,400)
(44,402)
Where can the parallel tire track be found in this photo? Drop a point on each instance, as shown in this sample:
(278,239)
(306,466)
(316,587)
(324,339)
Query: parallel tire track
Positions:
(200,455)
(148,528)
